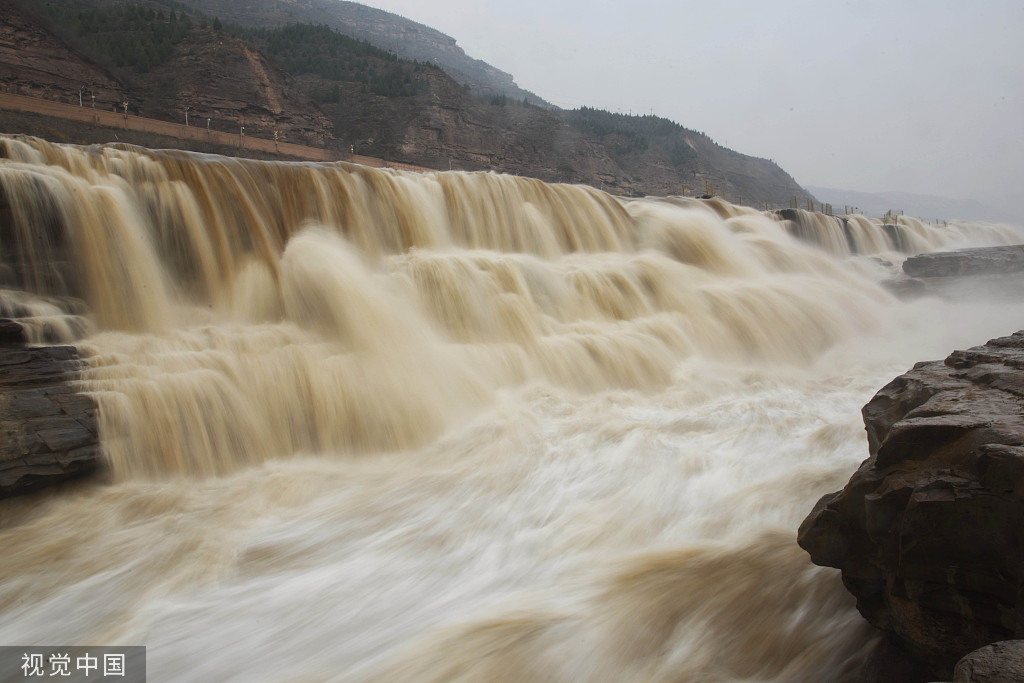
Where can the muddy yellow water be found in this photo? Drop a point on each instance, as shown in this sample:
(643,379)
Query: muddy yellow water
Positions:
(372,426)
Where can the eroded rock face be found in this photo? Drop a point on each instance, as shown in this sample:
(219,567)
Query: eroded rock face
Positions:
(48,430)
(928,532)
(34,62)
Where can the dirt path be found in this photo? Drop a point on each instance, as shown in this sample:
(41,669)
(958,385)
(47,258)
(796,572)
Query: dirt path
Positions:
(180,131)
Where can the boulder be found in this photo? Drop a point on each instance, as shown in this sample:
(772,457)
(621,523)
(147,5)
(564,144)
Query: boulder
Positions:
(928,532)
(48,430)
(996,663)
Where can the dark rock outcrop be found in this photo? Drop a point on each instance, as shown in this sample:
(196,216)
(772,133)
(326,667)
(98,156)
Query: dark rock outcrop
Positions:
(996,663)
(928,532)
(48,430)
(980,261)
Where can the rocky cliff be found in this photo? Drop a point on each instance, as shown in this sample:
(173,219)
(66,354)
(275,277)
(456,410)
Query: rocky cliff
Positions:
(223,79)
(212,73)
(929,532)
(35,62)
(464,134)
(48,431)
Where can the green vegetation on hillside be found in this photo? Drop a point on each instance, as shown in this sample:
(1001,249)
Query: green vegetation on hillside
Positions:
(125,34)
(142,36)
(627,134)
(322,51)
(624,131)
(505,100)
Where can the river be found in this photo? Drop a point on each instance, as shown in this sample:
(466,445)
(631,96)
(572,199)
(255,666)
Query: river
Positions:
(366,425)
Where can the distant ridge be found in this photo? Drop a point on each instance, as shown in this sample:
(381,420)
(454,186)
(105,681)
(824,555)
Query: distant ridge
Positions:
(406,38)
(923,206)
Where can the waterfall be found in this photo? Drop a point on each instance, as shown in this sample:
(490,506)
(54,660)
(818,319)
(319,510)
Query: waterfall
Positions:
(372,425)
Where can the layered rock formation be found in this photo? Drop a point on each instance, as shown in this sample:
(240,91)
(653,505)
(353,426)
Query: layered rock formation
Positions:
(928,532)
(35,62)
(980,261)
(969,274)
(223,79)
(48,430)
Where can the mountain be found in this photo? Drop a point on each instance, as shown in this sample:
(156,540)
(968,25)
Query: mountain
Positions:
(390,32)
(672,159)
(311,84)
(927,207)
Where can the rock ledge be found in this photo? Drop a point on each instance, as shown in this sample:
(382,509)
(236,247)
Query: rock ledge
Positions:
(928,532)
(977,261)
(48,430)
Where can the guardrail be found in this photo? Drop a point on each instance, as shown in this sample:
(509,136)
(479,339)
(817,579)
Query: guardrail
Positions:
(127,121)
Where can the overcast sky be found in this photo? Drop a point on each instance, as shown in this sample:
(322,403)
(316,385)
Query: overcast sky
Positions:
(871,95)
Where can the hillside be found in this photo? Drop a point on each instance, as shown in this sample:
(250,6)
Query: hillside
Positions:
(390,32)
(33,61)
(312,85)
(139,56)
(663,153)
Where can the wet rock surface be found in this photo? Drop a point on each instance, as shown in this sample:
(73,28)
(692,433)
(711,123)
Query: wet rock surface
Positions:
(48,429)
(967,275)
(980,261)
(928,532)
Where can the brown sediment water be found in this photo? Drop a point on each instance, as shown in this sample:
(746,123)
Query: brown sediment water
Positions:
(370,425)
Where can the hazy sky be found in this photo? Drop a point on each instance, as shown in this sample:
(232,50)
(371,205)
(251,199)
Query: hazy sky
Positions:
(867,95)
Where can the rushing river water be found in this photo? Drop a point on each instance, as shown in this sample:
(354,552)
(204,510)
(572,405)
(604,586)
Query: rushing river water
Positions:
(370,426)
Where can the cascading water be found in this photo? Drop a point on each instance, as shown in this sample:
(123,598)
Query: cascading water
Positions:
(366,425)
